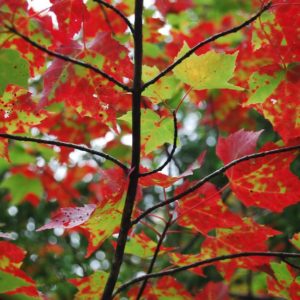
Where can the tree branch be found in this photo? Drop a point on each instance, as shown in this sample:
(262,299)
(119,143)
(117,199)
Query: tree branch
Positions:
(135,156)
(207,41)
(170,155)
(205,262)
(65,144)
(212,175)
(68,58)
(153,260)
(118,12)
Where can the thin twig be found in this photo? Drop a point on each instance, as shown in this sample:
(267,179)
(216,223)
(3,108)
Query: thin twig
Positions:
(68,58)
(205,42)
(206,262)
(64,144)
(153,260)
(118,12)
(170,155)
(214,174)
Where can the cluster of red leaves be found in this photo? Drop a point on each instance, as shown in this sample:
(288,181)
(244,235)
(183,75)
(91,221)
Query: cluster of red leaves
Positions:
(70,100)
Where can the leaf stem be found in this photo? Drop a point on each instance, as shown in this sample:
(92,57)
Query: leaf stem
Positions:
(68,58)
(118,12)
(65,144)
(205,42)
(212,175)
(205,262)
(135,158)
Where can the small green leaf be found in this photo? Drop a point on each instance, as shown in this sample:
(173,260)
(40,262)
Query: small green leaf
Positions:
(18,155)
(13,69)
(262,86)
(155,130)
(90,287)
(20,186)
(162,90)
(211,70)
(282,274)
(296,240)
(9,282)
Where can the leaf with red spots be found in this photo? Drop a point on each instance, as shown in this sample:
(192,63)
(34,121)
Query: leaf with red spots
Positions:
(167,288)
(70,16)
(283,281)
(265,182)
(232,240)
(155,131)
(87,92)
(90,287)
(103,222)
(13,280)
(181,260)
(4,149)
(18,111)
(141,245)
(70,217)
(204,210)
(157,178)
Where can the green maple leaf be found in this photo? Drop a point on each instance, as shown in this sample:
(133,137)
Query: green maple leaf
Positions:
(25,186)
(262,86)
(155,130)
(211,70)
(13,69)
(163,89)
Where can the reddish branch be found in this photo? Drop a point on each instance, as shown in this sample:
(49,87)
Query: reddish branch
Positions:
(212,175)
(136,149)
(64,144)
(205,42)
(170,155)
(281,255)
(67,58)
(118,12)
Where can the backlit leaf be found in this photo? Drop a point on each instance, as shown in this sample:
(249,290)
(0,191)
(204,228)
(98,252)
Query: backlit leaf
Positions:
(262,86)
(265,182)
(13,69)
(141,245)
(90,287)
(232,240)
(27,187)
(166,288)
(162,90)
(14,281)
(18,111)
(155,130)
(204,210)
(211,70)
(70,217)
